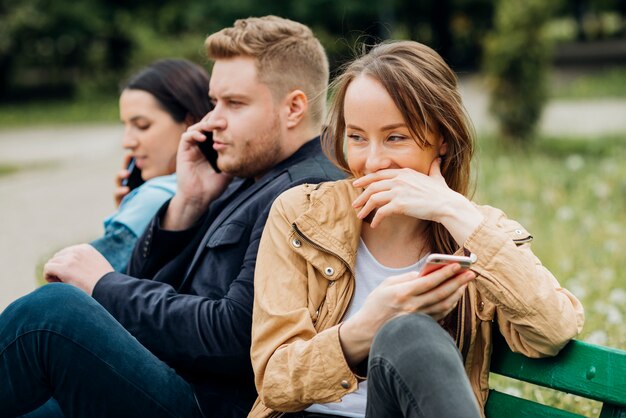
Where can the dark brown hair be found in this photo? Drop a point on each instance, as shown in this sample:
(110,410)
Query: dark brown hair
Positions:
(180,87)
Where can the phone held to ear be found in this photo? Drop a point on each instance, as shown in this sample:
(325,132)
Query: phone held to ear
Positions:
(207,150)
(433,262)
(134,179)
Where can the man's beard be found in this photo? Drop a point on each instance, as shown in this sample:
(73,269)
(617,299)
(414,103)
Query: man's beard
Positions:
(259,155)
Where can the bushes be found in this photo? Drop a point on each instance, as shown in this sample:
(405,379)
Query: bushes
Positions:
(517,57)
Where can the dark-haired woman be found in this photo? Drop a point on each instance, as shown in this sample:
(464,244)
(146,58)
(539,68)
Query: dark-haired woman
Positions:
(156,106)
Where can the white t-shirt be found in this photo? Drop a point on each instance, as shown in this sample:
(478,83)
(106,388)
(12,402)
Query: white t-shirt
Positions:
(369,273)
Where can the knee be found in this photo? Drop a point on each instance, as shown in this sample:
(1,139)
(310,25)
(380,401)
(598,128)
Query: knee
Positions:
(48,304)
(411,338)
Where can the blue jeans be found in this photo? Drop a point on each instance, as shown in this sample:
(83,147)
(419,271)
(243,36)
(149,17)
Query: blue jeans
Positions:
(59,343)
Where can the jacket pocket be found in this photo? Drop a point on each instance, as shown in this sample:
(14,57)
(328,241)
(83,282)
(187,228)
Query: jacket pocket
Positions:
(519,235)
(227,234)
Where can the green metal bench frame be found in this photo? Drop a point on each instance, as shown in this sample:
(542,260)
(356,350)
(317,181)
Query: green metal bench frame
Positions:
(587,370)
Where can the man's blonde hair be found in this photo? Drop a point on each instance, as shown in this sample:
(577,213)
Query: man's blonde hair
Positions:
(288,56)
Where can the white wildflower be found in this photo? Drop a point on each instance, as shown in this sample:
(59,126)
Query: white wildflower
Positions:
(565,213)
(575,162)
(618,296)
(599,337)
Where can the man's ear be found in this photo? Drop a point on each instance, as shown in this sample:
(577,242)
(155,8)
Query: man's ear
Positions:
(297,105)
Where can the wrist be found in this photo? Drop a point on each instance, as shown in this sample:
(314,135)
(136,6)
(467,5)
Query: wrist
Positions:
(460,217)
(183,213)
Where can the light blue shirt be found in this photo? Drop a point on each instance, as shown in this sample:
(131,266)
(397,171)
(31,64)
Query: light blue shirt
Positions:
(125,226)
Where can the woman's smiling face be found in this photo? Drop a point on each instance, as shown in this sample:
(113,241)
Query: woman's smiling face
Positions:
(377,136)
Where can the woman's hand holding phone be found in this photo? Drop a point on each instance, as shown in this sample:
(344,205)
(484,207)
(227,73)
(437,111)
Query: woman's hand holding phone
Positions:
(122,188)
(436,294)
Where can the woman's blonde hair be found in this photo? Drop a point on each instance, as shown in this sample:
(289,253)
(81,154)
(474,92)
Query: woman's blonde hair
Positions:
(288,56)
(424,89)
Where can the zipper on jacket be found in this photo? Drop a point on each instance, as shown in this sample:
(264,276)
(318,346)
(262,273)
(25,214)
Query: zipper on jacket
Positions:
(319,247)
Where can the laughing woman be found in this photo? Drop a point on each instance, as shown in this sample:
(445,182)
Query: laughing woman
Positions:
(343,325)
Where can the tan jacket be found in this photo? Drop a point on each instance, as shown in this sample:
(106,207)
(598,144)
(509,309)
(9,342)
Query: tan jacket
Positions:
(304,282)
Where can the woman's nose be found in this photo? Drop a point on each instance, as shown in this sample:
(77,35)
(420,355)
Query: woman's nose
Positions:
(129,141)
(376,160)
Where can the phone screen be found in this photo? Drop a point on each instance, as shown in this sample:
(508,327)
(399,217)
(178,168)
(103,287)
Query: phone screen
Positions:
(207,150)
(134,179)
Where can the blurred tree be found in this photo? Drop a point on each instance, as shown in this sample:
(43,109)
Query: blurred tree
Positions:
(517,60)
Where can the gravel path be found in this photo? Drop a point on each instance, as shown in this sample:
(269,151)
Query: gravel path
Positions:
(60,199)
(65,193)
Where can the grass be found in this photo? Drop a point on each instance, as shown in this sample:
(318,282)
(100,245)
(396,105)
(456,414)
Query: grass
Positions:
(607,83)
(571,195)
(59,112)
(6,169)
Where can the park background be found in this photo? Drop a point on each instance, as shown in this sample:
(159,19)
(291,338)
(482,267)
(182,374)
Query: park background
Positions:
(544,83)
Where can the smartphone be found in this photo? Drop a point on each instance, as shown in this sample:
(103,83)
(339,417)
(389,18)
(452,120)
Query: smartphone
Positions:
(433,262)
(207,150)
(134,179)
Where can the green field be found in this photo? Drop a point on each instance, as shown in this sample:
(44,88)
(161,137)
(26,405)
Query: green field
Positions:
(571,195)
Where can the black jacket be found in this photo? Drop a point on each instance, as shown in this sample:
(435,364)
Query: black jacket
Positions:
(188,294)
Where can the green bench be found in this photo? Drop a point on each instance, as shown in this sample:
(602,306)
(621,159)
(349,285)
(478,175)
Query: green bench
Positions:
(587,370)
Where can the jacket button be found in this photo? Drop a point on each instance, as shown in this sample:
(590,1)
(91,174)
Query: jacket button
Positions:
(296,243)
(345,384)
(481,306)
(329,271)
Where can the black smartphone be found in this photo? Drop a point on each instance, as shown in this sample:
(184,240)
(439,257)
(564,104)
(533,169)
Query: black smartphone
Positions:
(134,179)
(207,150)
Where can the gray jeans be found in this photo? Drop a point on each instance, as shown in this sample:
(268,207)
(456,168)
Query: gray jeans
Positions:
(416,370)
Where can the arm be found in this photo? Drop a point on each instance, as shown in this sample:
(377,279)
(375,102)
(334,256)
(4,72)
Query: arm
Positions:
(536,316)
(116,245)
(287,351)
(207,331)
(297,361)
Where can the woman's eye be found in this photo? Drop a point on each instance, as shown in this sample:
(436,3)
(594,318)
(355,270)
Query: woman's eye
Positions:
(143,127)
(355,137)
(396,138)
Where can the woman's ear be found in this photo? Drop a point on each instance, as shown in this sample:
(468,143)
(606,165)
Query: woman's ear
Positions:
(297,105)
(443,146)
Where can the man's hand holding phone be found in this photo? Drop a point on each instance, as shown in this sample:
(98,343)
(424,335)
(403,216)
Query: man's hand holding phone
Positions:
(198,182)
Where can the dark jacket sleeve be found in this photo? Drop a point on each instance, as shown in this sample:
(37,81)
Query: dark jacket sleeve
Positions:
(190,332)
(158,247)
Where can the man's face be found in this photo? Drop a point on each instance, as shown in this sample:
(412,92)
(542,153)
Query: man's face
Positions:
(248,134)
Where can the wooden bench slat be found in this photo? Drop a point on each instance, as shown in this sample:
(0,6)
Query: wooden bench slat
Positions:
(503,405)
(594,372)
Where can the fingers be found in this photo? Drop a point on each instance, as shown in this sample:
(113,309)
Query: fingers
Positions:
(119,193)
(368,179)
(449,296)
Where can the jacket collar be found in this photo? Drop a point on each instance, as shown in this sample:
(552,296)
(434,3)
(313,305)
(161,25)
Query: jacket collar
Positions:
(330,221)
